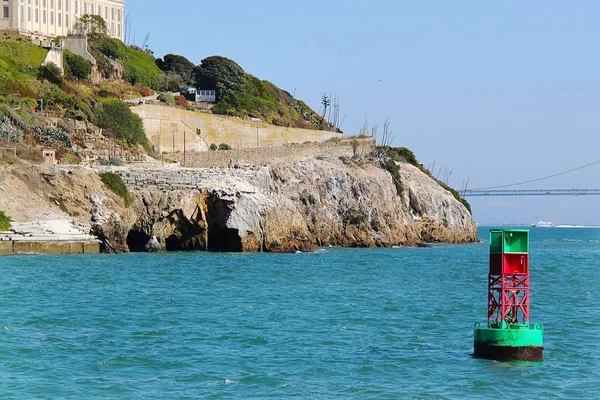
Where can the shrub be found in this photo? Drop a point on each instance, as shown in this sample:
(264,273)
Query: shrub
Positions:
(70,159)
(224,146)
(402,154)
(181,101)
(5,221)
(170,82)
(213,146)
(115,183)
(105,66)
(144,91)
(52,95)
(51,73)
(167,98)
(76,67)
(117,118)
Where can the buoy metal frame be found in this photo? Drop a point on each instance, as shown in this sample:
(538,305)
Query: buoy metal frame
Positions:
(509,336)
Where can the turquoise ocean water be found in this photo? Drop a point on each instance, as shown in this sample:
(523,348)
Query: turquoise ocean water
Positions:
(338,323)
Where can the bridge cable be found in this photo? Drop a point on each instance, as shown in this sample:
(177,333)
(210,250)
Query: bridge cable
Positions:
(540,179)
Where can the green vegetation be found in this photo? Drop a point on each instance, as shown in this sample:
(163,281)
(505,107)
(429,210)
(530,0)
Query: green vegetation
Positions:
(224,146)
(51,73)
(220,74)
(177,66)
(51,135)
(140,67)
(5,221)
(76,67)
(19,65)
(117,118)
(167,99)
(241,94)
(90,25)
(115,183)
(402,154)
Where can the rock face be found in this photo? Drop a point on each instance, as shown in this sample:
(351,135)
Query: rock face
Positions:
(292,207)
(280,208)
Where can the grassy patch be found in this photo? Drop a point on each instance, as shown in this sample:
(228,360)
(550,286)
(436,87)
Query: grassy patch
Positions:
(5,221)
(115,183)
(20,61)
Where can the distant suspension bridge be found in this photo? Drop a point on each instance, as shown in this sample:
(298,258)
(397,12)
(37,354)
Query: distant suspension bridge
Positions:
(530,192)
(502,191)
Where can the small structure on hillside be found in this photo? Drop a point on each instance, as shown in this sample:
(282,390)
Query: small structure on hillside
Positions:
(49,156)
(207,96)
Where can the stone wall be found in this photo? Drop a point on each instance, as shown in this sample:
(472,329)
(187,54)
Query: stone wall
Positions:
(359,147)
(172,129)
(53,247)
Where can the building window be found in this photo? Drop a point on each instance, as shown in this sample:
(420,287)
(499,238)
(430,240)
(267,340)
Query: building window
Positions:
(44,20)
(22,14)
(28,13)
(76,7)
(105,13)
(67,5)
(51,17)
(6,13)
(37,15)
(51,3)
(37,2)
(67,20)
(60,4)
(93,9)
(112,14)
(59,19)
(44,3)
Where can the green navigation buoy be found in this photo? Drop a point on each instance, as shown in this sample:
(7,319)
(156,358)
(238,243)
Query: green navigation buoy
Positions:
(509,336)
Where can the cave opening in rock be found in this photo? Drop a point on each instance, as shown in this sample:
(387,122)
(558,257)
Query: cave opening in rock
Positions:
(137,241)
(220,237)
(224,239)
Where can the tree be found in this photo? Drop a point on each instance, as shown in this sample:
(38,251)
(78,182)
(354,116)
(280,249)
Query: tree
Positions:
(76,66)
(220,74)
(91,25)
(170,82)
(178,65)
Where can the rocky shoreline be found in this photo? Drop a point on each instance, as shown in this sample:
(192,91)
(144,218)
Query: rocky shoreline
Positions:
(283,207)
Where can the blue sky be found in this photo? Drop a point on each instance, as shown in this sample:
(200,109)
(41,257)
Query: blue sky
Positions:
(497,92)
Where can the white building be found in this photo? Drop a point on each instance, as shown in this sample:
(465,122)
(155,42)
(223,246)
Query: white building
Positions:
(51,18)
(209,96)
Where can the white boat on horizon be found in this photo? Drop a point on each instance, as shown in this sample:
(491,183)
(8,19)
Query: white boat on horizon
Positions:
(543,224)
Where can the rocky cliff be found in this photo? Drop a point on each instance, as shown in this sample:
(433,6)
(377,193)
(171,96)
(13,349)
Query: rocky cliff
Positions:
(278,208)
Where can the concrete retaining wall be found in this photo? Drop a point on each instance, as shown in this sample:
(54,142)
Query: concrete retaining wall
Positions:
(55,247)
(171,129)
(78,45)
